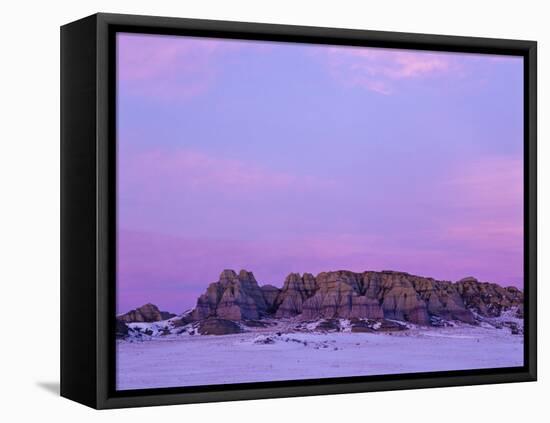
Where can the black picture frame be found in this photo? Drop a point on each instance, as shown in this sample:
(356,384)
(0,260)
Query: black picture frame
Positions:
(88,151)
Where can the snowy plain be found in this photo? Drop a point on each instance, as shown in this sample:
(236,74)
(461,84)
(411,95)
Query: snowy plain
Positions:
(273,354)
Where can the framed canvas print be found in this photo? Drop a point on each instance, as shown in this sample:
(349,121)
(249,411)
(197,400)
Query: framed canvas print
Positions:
(255,211)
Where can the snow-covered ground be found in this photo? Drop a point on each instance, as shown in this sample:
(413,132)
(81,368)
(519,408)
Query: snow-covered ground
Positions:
(279,353)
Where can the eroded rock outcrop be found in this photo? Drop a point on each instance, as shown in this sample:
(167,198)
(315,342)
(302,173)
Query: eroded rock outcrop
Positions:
(489,299)
(341,294)
(214,326)
(233,297)
(350,295)
(270,294)
(146,313)
(443,299)
(121,329)
(296,289)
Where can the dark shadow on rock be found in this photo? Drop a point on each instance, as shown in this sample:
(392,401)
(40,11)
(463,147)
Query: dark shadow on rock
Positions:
(51,387)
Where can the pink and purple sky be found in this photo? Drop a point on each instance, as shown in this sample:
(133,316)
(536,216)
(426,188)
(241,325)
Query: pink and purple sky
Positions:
(281,158)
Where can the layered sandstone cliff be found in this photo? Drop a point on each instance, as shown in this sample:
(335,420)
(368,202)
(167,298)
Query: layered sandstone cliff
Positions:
(342,294)
(345,294)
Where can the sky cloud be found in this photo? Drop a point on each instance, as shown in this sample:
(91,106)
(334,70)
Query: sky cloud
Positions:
(177,170)
(168,67)
(494,182)
(486,213)
(379,70)
(243,156)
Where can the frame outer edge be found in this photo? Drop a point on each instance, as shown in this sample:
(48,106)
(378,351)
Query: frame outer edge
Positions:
(104,366)
(532,203)
(256,28)
(78,214)
(103,131)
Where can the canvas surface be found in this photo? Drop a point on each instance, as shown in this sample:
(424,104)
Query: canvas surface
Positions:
(291,211)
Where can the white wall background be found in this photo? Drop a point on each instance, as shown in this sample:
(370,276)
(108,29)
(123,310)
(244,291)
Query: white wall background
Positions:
(29,211)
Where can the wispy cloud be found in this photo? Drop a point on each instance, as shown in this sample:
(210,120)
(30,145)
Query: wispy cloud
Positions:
(378,69)
(180,170)
(167,67)
(485,203)
(492,182)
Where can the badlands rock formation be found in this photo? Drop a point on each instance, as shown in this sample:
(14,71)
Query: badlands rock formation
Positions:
(342,294)
(350,295)
(146,313)
(233,297)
